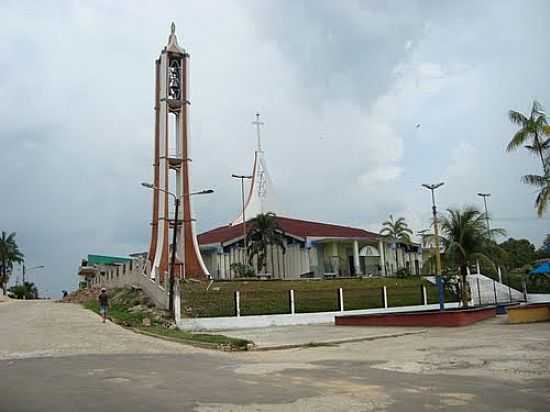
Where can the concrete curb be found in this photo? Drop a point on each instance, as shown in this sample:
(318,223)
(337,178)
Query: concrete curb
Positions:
(202,345)
(336,342)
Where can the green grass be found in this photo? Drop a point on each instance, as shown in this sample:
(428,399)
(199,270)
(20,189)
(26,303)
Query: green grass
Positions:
(188,337)
(271,296)
(119,314)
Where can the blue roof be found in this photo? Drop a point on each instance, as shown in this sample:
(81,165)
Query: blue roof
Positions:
(541,269)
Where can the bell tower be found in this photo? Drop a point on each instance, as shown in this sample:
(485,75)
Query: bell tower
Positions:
(171,164)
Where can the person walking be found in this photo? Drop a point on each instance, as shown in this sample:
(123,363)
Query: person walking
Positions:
(103,300)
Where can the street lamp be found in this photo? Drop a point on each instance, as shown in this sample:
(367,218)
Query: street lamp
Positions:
(432,188)
(485,196)
(25,270)
(242,177)
(174,238)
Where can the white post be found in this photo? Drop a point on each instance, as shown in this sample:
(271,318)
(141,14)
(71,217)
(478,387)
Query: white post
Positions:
(499,275)
(424,295)
(341,298)
(237,303)
(477,267)
(292,306)
(385,295)
(356,263)
(468,273)
(177,302)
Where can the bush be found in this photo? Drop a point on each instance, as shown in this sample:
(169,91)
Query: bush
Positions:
(403,273)
(243,270)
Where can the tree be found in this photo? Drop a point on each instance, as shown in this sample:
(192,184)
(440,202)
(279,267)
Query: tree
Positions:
(27,290)
(542,183)
(265,232)
(9,254)
(544,251)
(519,252)
(533,129)
(398,231)
(465,236)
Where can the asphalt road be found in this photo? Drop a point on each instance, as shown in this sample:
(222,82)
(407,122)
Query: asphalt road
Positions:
(43,367)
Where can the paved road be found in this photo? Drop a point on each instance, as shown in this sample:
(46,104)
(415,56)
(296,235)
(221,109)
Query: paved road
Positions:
(44,368)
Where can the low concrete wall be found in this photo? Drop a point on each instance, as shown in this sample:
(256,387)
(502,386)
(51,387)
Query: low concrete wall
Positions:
(264,321)
(538,297)
(539,312)
(132,274)
(425,318)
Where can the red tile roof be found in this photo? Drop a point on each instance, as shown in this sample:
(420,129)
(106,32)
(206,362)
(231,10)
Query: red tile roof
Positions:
(296,227)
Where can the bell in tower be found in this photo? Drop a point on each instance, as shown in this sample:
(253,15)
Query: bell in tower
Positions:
(172,105)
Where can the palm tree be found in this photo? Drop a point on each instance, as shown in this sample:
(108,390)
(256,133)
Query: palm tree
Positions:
(27,290)
(9,254)
(398,231)
(465,236)
(264,232)
(534,128)
(543,185)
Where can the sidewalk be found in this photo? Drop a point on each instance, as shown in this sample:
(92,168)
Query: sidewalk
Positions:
(285,337)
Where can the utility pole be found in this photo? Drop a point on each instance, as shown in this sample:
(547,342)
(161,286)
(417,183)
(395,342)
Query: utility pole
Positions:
(175,239)
(432,188)
(485,196)
(242,177)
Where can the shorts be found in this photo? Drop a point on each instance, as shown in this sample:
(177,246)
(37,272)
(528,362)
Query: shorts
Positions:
(103,309)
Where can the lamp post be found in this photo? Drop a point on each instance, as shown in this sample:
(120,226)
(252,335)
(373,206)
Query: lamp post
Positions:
(242,177)
(485,196)
(174,236)
(25,270)
(432,188)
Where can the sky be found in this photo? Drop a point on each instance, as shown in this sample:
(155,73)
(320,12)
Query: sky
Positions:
(341,87)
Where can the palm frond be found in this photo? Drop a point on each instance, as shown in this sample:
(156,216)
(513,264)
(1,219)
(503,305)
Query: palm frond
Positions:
(517,117)
(535,180)
(518,140)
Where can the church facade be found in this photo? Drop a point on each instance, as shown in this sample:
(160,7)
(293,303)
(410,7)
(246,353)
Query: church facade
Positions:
(311,250)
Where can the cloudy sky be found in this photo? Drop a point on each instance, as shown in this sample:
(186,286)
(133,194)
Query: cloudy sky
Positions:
(341,86)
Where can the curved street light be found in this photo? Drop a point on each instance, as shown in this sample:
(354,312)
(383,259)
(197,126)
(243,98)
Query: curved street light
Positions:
(174,238)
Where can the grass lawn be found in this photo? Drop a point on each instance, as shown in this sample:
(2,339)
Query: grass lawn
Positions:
(119,314)
(272,297)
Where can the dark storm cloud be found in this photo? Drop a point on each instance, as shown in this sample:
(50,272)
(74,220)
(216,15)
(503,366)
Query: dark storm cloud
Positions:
(340,85)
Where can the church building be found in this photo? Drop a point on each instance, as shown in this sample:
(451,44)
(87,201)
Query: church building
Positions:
(310,249)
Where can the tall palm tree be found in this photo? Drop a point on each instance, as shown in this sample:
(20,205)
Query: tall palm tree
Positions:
(533,129)
(465,236)
(264,232)
(543,185)
(9,254)
(398,231)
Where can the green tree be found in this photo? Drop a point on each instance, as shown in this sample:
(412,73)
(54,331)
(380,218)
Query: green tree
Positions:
(465,236)
(519,252)
(533,129)
(544,250)
(27,290)
(265,232)
(9,254)
(542,183)
(397,231)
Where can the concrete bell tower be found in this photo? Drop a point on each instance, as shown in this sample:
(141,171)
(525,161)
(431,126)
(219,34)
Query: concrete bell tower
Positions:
(171,164)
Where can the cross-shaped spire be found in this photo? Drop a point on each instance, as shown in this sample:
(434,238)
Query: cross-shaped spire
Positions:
(258,125)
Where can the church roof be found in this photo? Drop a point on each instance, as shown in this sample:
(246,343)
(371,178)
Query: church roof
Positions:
(296,227)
